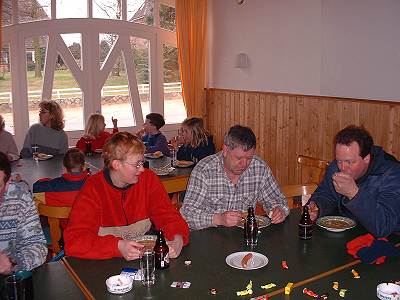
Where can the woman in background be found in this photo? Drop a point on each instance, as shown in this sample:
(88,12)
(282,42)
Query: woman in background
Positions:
(197,141)
(95,133)
(7,142)
(47,135)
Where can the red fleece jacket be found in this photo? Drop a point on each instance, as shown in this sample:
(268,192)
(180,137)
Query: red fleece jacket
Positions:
(100,204)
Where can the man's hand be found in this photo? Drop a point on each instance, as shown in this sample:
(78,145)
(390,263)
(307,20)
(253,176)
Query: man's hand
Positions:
(344,184)
(5,264)
(229,218)
(130,250)
(313,210)
(115,122)
(175,246)
(277,215)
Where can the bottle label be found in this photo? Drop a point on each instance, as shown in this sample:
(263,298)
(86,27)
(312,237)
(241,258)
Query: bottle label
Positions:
(166,258)
(305,231)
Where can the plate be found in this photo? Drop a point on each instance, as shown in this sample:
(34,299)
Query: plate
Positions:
(184,163)
(163,171)
(44,156)
(151,155)
(256,262)
(119,284)
(336,223)
(261,222)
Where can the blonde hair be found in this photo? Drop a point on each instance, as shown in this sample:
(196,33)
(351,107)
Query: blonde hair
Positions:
(55,110)
(94,125)
(120,145)
(198,132)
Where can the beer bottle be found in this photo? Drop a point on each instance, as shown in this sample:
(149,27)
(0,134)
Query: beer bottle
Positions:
(161,251)
(250,228)
(305,224)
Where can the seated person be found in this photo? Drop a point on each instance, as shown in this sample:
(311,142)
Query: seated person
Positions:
(115,200)
(197,142)
(22,243)
(363,183)
(95,133)
(7,142)
(48,135)
(62,191)
(222,186)
(151,135)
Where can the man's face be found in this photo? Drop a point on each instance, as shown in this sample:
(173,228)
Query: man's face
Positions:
(236,161)
(349,160)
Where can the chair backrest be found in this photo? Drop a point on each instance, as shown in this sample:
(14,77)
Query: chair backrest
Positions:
(312,169)
(54,214)
(290,192)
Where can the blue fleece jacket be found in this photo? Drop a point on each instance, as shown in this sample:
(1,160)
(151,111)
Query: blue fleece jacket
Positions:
(377,203)
(186,152)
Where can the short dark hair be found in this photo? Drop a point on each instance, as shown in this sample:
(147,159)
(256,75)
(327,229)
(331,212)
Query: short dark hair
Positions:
(156,120)
(240,136)
(5,166)
(359,134)
(74,158)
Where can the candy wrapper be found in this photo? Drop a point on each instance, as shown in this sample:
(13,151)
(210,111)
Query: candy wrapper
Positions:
(355,274)
(288,288)
(247,291)
(180,284)
(310,293)
(342,293)
(335,285)
(284,265)
(268,286)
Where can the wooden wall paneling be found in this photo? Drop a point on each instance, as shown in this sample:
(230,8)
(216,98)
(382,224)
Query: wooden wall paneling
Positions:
(288,125)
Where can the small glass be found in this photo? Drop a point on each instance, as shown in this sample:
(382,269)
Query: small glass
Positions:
(147,266)
(35,153)
(14,287)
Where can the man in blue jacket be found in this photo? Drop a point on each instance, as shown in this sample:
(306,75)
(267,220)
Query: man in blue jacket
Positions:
(363,183)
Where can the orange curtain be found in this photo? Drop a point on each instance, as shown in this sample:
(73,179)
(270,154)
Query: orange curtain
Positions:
(191,19)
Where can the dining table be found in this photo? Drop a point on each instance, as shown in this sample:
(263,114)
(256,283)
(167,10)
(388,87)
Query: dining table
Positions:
(312,263)
(174,180)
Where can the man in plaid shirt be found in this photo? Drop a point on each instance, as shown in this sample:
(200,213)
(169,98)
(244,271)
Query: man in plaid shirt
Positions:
(222,186)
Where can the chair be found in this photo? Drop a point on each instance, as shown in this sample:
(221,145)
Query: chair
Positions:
(290,192)
(54,214)
(312,169)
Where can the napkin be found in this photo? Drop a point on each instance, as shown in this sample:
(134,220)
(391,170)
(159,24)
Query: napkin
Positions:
(371,250)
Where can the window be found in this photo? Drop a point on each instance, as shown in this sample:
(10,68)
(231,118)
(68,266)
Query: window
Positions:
(5,88)
(124,80)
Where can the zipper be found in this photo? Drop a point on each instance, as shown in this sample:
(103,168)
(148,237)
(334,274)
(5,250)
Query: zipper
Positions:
(122,205)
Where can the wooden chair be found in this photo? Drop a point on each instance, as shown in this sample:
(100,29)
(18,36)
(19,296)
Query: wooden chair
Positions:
(312,169)
(290,192)
(54,214)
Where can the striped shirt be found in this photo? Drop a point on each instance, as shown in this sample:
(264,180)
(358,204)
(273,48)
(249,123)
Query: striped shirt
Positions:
(210,191)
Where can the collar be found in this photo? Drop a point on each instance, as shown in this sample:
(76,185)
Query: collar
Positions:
(107,177)
(76,176)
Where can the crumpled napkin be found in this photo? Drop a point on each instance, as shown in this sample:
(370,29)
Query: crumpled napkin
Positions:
(371,250)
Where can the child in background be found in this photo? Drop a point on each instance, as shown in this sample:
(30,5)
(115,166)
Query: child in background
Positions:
(95,133)
(151,135)
(7,142)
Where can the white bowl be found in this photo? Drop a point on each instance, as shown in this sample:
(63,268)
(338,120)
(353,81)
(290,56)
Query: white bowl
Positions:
(119,284)
(388,291)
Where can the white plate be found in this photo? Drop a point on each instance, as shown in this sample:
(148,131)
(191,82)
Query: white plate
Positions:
(44,156)
(261,222)
(151,155)
(256,262)
(335,223)
(186,163)
(164,171)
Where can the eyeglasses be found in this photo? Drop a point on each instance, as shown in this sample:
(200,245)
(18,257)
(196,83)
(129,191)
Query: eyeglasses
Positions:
(137,165)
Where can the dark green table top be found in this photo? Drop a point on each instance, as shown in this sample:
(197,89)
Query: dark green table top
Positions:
(362,288)
(31,171)
(208,249)
(52,281)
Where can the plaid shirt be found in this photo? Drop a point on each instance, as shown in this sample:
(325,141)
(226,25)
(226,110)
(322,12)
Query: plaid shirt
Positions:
(210,191)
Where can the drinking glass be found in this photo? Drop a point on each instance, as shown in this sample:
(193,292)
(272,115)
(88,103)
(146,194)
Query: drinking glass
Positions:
(35,154)
(147,266)
(14,287)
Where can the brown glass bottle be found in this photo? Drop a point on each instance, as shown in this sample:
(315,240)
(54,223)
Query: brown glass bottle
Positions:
(161,251)
(250,228)
(305,225)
